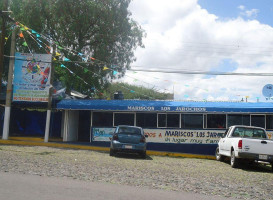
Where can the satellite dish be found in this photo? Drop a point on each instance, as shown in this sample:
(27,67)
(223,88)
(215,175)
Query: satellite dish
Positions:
(268,90)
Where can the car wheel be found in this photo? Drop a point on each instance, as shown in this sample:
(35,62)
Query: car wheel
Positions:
(143,154)
(112,152)
(218,156)
(234,162)
(272,167)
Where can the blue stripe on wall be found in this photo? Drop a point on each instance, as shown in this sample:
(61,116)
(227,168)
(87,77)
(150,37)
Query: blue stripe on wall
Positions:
(200,149)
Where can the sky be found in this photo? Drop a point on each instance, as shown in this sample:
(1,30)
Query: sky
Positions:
(233,36)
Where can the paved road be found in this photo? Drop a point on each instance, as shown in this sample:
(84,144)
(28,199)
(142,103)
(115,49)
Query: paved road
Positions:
(30,187)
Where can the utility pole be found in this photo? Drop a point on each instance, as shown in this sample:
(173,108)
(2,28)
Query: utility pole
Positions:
(2,42)
(9,88)
(49,105)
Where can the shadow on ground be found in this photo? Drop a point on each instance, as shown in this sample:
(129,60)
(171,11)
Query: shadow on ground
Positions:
(131,156)
(253,166)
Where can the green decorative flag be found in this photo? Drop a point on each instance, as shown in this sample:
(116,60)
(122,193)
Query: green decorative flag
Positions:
(85,70)
(25,44)
(59,47)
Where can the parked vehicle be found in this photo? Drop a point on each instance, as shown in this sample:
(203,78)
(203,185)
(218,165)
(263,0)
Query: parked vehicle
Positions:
(245,143)
(128,139)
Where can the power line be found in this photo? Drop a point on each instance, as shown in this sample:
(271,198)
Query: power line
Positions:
(205,72)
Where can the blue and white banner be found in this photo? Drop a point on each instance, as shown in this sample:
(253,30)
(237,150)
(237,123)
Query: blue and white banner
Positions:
(31,77)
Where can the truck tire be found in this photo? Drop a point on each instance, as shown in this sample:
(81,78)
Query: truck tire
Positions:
(234,162)
(218,156)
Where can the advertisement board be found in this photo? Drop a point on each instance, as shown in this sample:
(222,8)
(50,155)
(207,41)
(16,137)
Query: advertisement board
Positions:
(31,77)
(167,135)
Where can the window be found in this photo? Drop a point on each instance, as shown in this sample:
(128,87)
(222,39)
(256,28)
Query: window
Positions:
(168,120)
(216,121)
(162,120)
(124,119)
(258,120)
(102,119)
(238,120)
(249,132)
(146,120)
(269,121)
(192,121)
(173,120)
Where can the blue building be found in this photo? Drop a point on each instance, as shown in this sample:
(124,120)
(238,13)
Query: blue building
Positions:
(180,127)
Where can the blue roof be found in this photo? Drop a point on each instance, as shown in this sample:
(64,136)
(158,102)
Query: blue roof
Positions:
(162,106)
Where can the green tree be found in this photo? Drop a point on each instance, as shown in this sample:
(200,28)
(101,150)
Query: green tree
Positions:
(137,92)
(101,29)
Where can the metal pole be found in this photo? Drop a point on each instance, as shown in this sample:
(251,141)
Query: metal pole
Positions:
(48,113)
(9,88)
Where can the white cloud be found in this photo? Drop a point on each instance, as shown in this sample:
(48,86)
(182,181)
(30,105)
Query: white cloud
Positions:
(248,13)
(241,7)
(251,13)
(183,36)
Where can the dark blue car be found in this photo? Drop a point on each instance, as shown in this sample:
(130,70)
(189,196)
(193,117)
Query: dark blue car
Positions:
(128,139)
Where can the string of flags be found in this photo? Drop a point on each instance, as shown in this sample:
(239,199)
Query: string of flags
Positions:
(85,59)
(40,44)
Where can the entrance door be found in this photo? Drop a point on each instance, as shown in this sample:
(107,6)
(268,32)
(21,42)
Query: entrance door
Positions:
(84,126)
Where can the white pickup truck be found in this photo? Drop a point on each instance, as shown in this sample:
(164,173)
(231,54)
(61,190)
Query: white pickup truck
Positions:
(245,143)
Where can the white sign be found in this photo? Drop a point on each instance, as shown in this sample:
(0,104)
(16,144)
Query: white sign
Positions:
(31,77)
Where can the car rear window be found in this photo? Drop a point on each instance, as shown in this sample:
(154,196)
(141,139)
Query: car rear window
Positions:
(129,130)
(249,132)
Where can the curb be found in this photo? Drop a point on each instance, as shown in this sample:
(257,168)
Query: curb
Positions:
(39,142)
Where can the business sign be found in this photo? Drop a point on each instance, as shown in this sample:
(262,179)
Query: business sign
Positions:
(31,77)
(170,135)
(184,136)
(166,108)
(167,135)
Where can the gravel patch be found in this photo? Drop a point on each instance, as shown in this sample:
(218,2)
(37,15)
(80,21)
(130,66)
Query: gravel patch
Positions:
(187,174)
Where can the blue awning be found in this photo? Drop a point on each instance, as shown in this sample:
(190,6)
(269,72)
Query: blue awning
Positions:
(165,106)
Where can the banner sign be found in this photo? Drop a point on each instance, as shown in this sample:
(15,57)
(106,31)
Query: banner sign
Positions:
(31,77)
(167,135)
(102,134)
(184,136)
(170,135)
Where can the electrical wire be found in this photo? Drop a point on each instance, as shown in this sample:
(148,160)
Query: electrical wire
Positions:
(204,72)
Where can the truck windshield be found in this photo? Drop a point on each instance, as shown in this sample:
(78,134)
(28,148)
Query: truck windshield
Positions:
(249,132)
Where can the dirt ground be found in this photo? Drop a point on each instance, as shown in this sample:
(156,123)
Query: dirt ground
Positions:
(168,173)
